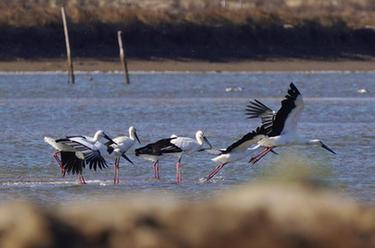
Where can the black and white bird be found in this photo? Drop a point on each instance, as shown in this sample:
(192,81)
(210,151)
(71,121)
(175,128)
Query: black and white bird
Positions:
(281,126)
(176,146)
(240,149)
(155,151)
(118,147)
(76,151)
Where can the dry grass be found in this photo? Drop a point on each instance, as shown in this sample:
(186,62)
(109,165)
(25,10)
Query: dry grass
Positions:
(25,13)
(186,28)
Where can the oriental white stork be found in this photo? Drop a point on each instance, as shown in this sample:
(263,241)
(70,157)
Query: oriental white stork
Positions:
(282,125)
(176,146)
(118,147)
(238,150)
(73,153)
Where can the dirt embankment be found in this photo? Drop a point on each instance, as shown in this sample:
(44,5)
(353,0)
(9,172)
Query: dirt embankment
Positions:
(193,29)
(255,215)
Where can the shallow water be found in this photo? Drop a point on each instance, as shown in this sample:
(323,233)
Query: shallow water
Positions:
(160,104)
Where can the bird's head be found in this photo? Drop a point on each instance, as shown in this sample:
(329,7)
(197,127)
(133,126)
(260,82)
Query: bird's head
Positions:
(201,138)
(101,134)
(133,134)
(320,143)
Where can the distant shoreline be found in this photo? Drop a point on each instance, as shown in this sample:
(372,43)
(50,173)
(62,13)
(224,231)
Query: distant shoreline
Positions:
(90,65)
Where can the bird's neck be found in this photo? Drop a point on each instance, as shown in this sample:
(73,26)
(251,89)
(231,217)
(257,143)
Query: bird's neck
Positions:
(199,141)
(96,137)
(132,136)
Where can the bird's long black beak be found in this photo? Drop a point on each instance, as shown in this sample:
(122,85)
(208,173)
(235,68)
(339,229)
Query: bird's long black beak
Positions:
(206,140)
(108,138)
(274,152)
(126,157)
(327,148)
(136,136)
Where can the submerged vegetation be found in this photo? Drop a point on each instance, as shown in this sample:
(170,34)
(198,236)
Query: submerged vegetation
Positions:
(207,29)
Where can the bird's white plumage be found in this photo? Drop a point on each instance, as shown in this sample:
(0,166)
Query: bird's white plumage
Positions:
(294,116)
(284,126)
(186,144)
(234,155)
(125,143)
(58,146)
(189,145)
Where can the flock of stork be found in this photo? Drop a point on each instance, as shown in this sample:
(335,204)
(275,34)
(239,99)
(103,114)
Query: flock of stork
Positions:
(73,153)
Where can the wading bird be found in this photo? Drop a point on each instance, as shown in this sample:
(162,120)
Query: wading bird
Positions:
(282,125)
(155,151)
(73,153)
(176,146)
(118,147)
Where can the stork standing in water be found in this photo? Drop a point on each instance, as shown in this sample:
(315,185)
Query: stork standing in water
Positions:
(72,153)
(155,151)
(118,147)
(283,124)
(176,146)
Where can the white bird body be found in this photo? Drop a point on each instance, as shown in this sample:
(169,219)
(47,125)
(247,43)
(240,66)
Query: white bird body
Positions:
(283,124)
(173,146)
(288,139)
(75,151)
(91,142)
(58,146)
(120,146)
(234,156)
(238,150)
(123,144)
(189,145)
(186,144)
(149,157)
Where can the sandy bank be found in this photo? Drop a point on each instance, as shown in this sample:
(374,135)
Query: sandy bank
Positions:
(254,215)
(188,65)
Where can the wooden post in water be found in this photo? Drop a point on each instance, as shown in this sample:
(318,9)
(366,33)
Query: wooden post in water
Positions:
(68,53)
(123,57)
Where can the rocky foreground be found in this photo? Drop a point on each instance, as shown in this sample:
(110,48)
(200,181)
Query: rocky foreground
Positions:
(257,215)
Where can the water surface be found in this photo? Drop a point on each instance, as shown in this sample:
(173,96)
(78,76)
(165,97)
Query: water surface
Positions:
(160,104)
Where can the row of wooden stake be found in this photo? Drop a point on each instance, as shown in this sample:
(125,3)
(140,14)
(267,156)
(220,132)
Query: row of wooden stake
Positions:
(71,78)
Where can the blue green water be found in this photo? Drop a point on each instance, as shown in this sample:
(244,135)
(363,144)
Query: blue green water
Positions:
(160,104)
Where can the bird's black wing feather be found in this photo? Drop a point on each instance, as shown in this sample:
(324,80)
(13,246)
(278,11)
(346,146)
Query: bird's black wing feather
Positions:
(287,105)
(71,163)
(247,137)
(158,148)
(256,109)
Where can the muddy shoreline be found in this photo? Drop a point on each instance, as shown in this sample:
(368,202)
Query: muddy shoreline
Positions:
(84,64)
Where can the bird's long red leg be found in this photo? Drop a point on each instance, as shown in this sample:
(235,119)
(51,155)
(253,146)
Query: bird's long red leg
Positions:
(118,171)
(257,156)
(154,167)
(178,173)
(81,179)
(59,162)
(157,170)
(260,155)
(116,180)
(270,149)
(114,172)
(215,171)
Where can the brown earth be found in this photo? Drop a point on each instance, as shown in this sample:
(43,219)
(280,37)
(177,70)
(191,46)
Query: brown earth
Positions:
(188,65)
(257,215)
